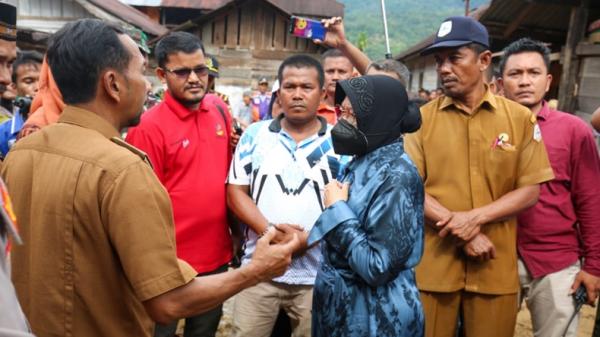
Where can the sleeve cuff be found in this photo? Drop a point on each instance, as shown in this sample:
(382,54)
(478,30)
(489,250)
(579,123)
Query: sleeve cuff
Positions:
(592,268)
(238,181)
(165,283)
(331,217)
(536,178)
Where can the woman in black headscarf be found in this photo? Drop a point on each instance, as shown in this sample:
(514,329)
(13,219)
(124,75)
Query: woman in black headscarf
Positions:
(372,229)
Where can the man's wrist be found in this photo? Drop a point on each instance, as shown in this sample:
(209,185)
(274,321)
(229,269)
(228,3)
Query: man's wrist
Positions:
(478,216)
(251,273)
(269,225)
(343,45)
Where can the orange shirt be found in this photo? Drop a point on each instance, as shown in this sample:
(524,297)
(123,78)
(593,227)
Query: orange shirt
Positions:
(328,113)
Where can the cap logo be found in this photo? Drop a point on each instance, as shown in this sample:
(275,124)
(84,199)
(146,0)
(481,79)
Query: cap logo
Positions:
(445,29)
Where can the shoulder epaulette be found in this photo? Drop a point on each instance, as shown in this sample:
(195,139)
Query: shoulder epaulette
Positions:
(132,148)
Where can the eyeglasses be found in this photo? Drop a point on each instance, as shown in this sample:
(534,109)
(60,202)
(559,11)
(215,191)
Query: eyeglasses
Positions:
(184,73)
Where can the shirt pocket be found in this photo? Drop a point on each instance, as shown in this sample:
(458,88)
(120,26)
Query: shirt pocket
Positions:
(502,163)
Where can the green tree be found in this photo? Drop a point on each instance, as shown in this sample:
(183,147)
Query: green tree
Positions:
(409,21)
(361,41)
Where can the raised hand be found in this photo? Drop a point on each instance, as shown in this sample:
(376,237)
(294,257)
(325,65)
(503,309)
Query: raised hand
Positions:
(335,36)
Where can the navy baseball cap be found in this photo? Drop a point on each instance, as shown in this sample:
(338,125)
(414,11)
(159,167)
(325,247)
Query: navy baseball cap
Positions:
(457,31)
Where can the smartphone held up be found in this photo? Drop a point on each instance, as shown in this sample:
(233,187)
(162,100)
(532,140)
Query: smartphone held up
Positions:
(307,28)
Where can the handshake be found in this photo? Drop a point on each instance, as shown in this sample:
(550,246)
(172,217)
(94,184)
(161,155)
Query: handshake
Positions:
(275,248)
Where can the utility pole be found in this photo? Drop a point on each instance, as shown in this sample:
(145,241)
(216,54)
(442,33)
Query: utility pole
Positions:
(467,7)
(388,54)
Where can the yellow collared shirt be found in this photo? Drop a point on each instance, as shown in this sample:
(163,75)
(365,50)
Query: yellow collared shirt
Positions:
(468,161)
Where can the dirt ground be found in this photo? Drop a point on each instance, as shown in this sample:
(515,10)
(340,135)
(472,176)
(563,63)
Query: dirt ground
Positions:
(523,329)
(586,322)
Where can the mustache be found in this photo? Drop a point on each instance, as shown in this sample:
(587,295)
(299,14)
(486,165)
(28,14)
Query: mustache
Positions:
(2,88)
(194,86)
(449,79)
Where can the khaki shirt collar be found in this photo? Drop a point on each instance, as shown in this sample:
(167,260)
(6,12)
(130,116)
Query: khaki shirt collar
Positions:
(89,120)
(488,98)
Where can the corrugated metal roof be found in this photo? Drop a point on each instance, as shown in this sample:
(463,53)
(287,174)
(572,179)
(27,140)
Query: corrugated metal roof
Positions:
(131,16)
(321,8)
(196,4)
(541,15)
(545,20)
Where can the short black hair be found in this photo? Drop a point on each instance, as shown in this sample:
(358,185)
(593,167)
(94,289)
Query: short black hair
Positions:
(392,66)
(175,42)
(24,58)
(525,45)
(477,47)
(79,52)
(301,61)
(332,53)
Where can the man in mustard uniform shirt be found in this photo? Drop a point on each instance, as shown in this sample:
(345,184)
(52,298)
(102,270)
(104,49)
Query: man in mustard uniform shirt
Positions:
(99,255)
(481,158)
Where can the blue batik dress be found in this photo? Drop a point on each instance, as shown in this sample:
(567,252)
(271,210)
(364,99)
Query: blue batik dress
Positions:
(370,245)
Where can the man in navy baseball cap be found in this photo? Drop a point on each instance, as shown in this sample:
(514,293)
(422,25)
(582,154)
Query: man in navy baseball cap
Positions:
(457,31)
(472,242)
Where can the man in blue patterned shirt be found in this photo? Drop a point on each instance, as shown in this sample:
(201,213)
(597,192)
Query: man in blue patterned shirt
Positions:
(277,179)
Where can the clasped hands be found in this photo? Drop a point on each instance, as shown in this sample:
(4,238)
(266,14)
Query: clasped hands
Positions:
(285,233)
(465,228)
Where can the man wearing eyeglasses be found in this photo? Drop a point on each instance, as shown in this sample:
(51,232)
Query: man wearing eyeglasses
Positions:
(187,138)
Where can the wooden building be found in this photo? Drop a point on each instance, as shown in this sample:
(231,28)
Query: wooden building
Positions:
(171,13)
(36,19)
(250,38)
(561,24)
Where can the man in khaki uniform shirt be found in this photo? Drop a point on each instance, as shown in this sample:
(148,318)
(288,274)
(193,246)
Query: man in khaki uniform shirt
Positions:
(481,157)
(12,320)
(99,255)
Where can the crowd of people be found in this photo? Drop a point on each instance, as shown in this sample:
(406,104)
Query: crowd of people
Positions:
(353,208)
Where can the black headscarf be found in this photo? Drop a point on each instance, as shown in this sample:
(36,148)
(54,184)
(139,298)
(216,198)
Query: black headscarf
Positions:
(381,106)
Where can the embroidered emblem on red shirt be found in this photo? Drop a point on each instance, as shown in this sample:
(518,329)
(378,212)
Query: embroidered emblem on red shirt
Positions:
(219,129)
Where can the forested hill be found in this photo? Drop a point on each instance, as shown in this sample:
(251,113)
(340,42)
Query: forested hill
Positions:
(409,21)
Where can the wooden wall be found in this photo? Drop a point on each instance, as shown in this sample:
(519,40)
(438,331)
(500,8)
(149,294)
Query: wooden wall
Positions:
(261,29)
(588,92)
(48,15)
(250,42)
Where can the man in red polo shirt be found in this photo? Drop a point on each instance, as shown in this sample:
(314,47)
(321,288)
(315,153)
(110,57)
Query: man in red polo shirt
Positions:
(187,139)
(564,226)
